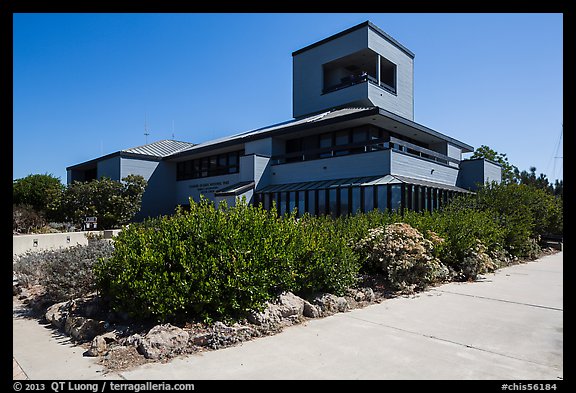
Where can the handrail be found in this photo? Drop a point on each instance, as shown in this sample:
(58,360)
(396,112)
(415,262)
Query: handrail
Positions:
(423,150)
(371,145)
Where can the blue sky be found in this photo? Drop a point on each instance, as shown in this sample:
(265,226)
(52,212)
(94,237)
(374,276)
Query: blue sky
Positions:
(86,85)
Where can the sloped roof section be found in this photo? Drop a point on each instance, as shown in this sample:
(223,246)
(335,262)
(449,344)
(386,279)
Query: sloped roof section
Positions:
(356,182)
(244,136)
(160,149)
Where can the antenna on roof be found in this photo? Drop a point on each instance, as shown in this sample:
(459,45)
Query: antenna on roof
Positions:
(172,129)
(146,133)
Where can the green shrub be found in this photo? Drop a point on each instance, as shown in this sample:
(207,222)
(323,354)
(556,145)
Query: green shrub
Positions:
(403,254)
(41,192)
(525,213)
(221,262)
(26,219)
(114,203)
(324,260)
(65,273)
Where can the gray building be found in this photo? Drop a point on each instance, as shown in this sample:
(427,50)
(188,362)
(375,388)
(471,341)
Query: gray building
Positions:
(352,145)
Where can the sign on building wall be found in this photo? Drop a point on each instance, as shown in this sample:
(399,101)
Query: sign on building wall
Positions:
(90,223)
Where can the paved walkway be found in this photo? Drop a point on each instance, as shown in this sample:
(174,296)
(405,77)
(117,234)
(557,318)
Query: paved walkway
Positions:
(507,326)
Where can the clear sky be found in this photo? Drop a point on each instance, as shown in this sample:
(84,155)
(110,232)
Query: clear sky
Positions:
(87,85)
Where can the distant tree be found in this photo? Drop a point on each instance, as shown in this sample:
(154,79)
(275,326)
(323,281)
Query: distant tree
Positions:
(559,188)
(114,203)
(508,170)
(530,179)
(41,192)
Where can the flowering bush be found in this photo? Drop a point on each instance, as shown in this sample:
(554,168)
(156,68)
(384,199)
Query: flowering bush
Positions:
(476,261)
(404,255)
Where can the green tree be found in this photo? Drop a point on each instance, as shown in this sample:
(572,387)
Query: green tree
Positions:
(114,203)
(530,179)
(41,192)
(559,188)
(508,170)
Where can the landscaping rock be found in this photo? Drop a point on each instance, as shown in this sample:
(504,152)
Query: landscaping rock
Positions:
(361,294)
(83,329)
(331,304)
(310,310)
(163,341)
(202,339)
(58,313)
(269,318)
(99,345)
(290,305)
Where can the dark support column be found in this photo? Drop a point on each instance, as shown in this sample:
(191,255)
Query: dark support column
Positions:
(402,198)
(388,197)
(409,204)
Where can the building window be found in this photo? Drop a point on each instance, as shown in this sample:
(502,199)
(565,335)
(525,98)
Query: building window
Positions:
(344,201)
(333,201)
(301,202)
(292,201)
(215,165)
(322,203)
(387,74)
(368,198)
(362,66)
(311,202)
(382,198)
(396,201)
(356,203)
(341,138)
(325,143)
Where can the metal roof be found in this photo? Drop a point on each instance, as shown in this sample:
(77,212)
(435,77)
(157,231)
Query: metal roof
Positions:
(371,25)
(161,148)
(260,132)
(235,189)
(328,116)
(356,182)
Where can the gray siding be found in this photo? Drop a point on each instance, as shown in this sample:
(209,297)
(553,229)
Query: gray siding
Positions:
(260,146)
(454,152)
(308,77)
(492,172)
(402,103)
(158,198)
(256,168)
(205,186)
(418,168)
(478,171)
(307,71)
(133,166)
(366,164)
(109,168)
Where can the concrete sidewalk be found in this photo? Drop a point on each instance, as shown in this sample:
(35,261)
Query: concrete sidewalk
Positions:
(507,326)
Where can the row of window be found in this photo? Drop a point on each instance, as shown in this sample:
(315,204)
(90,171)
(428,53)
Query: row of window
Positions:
(216,165)
(350,200)
(338,143)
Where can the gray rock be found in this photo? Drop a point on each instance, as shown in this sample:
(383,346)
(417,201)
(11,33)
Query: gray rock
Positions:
(58,313)
(134,340)
(268,318)
(83,329)
(330,304)
(369,295)
(290,304)
(310,310)
(163,341)
(202,339)
(98,347)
